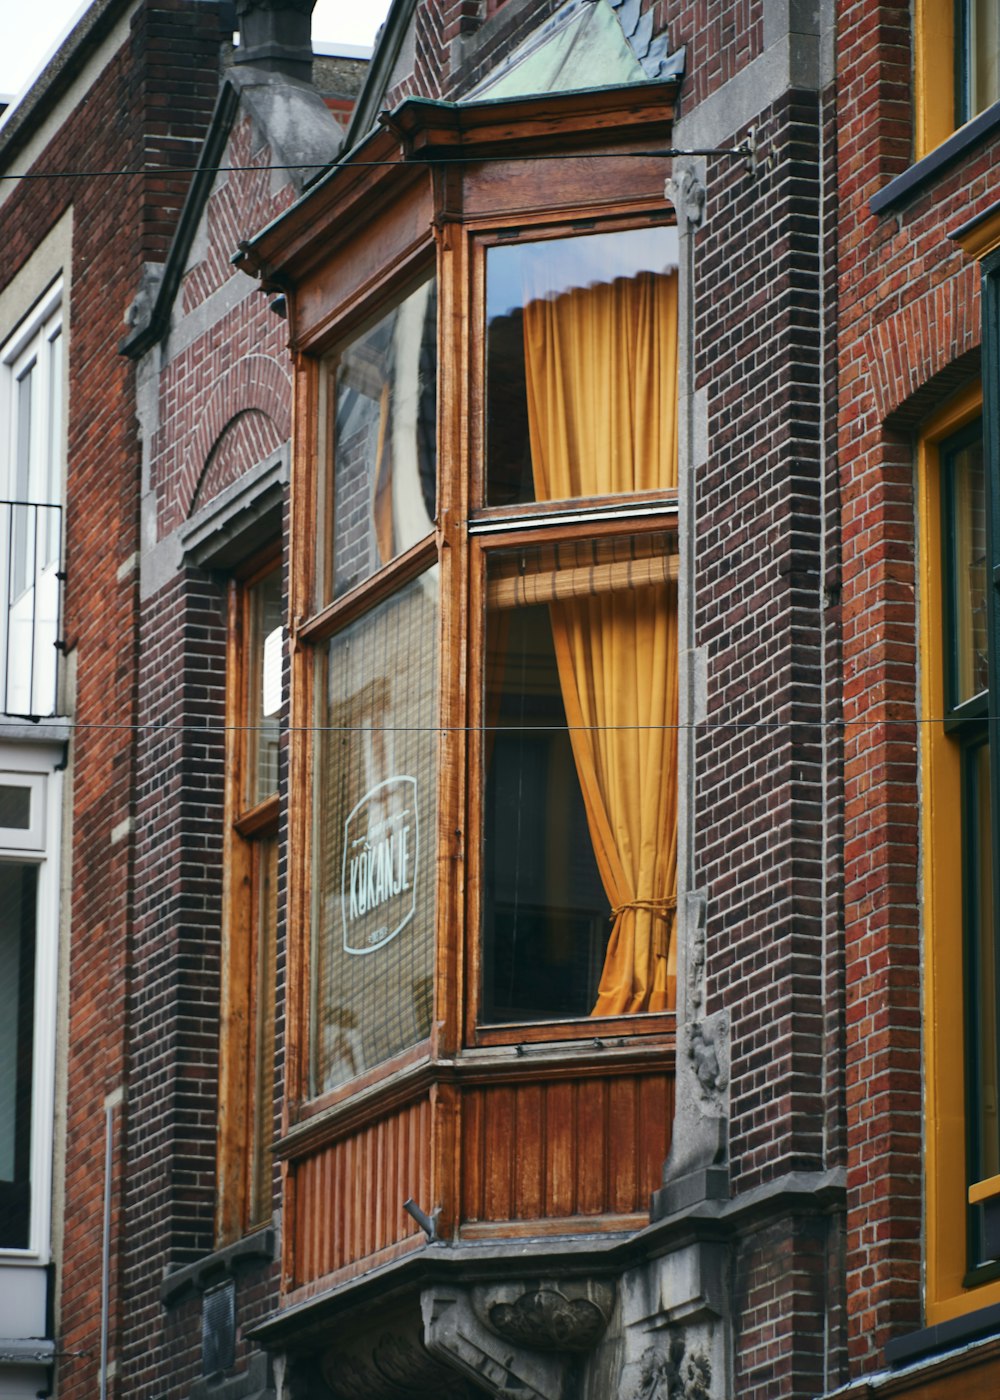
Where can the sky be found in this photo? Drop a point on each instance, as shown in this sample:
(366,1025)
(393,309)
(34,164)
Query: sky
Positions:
(31,29)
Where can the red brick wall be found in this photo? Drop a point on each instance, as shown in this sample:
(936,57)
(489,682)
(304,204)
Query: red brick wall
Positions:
(152,101)
(223,404)
(909,328)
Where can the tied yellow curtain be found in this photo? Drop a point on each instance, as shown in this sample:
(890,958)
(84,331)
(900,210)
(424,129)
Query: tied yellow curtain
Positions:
(602,396)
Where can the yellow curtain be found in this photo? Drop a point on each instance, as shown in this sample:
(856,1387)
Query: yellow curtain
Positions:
(602,396)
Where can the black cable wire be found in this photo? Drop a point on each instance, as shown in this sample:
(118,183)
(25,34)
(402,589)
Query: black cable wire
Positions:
(709,725)
(430,160)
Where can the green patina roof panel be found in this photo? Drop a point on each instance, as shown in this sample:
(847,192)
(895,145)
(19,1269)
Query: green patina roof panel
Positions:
(582,46)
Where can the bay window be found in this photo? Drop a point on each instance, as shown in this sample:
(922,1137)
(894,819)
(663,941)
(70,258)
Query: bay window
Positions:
(567,652)
(484,569)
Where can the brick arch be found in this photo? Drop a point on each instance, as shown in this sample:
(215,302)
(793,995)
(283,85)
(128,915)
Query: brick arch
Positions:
(925,349)
(246,439)
(255,390)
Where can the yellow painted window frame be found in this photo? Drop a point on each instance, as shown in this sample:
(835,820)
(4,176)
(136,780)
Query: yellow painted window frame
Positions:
(933,82)
(946,1189)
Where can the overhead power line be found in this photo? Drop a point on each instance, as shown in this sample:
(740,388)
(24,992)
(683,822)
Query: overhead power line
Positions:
(746,150)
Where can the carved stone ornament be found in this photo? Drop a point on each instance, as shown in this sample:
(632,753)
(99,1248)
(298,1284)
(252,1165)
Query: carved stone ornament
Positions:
(703,1054)
(687,194)
(547,1320)
(669,1372)
(388,1366)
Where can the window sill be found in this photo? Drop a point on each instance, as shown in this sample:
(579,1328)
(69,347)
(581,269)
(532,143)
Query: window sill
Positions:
(361,1102)
(943,1336)
(929,167)
(255,1249)
(584,1030)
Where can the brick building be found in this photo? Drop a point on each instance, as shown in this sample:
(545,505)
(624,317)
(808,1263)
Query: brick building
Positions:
(90,213)
(532,932)
(465,1205)
(133,84)
(917,165)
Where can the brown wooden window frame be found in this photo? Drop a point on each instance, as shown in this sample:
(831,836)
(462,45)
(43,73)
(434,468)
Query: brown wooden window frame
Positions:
(496,528)
(248,1009)
(319,621)
(466,532)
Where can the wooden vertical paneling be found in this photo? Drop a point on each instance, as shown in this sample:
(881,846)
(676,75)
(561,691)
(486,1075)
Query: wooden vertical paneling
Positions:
(592,1164)
(545,1149)
(498,1158)
(656,1107)
(529,1163)
(349,1195)
(560,1149)
(473,1156)
(623,1144)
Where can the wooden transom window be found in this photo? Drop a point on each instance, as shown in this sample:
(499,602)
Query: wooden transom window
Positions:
(538,639)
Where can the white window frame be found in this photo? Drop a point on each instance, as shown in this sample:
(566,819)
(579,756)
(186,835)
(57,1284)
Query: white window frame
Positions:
(31,346)
(35,766)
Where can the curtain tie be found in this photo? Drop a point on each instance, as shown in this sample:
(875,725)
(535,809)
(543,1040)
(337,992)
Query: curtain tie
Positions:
(663,909)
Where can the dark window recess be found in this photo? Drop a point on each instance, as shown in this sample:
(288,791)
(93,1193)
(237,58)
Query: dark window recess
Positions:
(967,692)
(18,888)
(218,1329)
(15,807)
(546,917)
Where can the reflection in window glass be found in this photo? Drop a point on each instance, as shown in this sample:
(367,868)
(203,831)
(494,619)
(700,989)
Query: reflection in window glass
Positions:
(264,654)
(18,883)
(580,758)
(979,56)
(384,457)
(578,318)
(965,518)
(375,817)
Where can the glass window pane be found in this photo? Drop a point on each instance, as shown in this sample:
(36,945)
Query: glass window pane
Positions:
(965,517)
(15,807)
(579,753)
(49,538)
(984,1135)
(384,454)
(580,344)
(264,656)
(984,49)
(374,837)
(17,1000)
(22,565)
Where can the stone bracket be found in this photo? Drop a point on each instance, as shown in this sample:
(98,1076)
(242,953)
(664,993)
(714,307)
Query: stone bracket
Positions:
(517,1340)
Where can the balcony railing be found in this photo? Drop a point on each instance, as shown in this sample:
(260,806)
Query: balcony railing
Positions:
(30,607)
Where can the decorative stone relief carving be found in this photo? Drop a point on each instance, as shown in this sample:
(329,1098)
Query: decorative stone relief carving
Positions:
(389,1366)
(705,1040)
(549,1317)
(456,1333)
(673,1310)
(668,1373)
(687,194)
